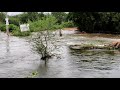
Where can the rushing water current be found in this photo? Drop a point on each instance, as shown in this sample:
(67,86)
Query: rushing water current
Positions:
(18,61)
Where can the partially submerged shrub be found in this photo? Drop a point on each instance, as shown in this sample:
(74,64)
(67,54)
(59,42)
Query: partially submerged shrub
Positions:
(43,44)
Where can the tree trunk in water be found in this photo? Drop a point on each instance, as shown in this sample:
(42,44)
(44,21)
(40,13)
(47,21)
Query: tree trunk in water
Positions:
(60,33)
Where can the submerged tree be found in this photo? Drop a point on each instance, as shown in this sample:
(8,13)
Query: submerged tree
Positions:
(44,43)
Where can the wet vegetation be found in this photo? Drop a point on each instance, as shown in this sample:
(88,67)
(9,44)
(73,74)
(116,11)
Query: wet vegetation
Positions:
(44,44)
(33,75)
(92,46)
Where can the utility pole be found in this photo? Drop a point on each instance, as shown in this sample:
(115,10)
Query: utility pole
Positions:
(7,24)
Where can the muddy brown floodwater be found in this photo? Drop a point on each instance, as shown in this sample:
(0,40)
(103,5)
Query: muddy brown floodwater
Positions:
(18,61)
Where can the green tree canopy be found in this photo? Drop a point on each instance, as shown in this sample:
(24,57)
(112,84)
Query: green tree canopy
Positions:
(60,16)
(97,22)
(32,16)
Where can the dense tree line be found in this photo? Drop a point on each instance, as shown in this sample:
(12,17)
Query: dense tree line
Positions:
(61,16)
(22,18)
(33,16)
(97,22)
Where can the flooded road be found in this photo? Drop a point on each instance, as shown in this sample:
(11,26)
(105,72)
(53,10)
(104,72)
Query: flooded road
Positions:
(18,60)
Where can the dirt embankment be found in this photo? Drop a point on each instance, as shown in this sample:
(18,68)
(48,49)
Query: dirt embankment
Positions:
(74,28)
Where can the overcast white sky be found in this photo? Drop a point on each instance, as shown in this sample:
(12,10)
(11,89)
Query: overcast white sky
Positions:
(16,13)
(13,13)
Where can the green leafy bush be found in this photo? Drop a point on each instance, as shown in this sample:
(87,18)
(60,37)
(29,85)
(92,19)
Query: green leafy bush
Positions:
(46,23)
(3,27)
(16,32)
(11,27)
(14,21)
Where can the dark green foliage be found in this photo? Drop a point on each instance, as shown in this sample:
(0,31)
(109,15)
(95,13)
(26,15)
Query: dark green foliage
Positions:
(11,27)
(2,17)
(32,16)
(97,22)
(14,20)
(60,16)
(2,27)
